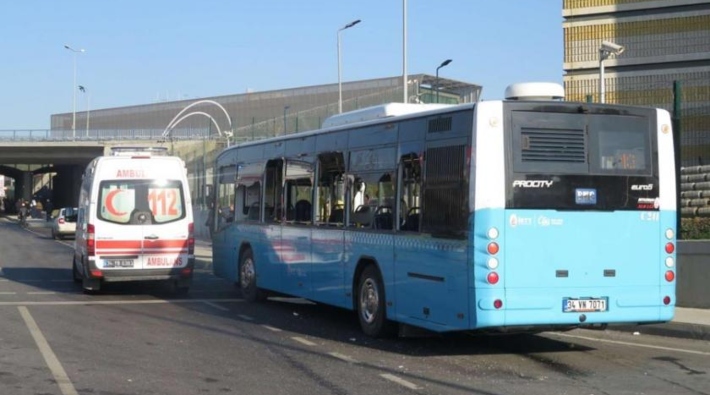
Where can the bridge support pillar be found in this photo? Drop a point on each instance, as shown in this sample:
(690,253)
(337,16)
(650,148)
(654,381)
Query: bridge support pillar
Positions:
(26,186)
(66,185)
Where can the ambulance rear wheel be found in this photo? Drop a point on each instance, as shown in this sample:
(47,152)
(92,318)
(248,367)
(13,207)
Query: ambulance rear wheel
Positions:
(75,271)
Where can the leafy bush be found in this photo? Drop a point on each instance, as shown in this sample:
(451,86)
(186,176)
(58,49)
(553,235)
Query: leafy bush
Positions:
(696,228)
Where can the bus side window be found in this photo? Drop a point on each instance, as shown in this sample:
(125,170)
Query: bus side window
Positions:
(361,211)
(273,195)
(410,193)
(299,191)
(330,205)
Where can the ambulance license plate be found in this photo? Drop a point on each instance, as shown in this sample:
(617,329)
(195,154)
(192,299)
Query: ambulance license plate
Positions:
(570,305)
(118,263)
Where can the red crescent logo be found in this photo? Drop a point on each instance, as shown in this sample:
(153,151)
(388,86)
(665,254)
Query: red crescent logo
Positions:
(109,202)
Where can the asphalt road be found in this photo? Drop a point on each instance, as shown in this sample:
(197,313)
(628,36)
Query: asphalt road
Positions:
(141,339)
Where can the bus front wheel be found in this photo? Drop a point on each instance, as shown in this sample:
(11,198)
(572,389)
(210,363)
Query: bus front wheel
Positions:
(371,304)
(247,278)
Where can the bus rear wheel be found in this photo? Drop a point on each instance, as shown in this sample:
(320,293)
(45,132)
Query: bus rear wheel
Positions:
(371,309)
(247,278)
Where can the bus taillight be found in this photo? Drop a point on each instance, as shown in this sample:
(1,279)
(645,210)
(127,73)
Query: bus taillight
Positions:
(670,276)
(497,303)
(493,278)
(493,248)
(667,300)
(670,248)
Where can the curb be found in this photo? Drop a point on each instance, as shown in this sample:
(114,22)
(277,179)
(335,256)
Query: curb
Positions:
(672,329)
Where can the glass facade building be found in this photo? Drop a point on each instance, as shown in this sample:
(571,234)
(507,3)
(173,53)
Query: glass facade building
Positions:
(664,40)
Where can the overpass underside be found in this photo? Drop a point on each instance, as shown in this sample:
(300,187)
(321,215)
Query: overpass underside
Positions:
(55,166)
(59,165)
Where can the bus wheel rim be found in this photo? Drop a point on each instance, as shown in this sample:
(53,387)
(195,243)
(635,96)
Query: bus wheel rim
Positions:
(247,275)
(369,300)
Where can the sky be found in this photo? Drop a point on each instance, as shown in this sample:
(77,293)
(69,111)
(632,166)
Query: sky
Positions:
(143,51)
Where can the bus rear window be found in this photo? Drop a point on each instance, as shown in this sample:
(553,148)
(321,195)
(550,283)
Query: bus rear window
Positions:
(600,144)
(621,145)
(122,201)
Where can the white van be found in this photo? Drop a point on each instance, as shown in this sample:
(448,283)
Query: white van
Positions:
(134,220)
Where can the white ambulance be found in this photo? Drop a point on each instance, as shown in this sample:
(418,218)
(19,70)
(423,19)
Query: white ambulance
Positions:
(134,220)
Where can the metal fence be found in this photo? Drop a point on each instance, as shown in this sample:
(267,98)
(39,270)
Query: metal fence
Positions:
(105,135)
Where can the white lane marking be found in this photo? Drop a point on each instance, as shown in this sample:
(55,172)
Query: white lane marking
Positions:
(245,317)
(271,328)
(216,306)
(632,344)
(8,293)
(4,280)
(303,341)
(60,376)
(399,381)
(116,302)
(343,357)
(64,243)
(41,293)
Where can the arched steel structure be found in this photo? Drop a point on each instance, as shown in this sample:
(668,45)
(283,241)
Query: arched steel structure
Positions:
(177,119)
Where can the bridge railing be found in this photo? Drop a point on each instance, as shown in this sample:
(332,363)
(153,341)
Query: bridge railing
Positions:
(105,135)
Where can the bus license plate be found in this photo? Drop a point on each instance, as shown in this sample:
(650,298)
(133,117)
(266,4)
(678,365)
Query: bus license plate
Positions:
(118,263)
(570,305)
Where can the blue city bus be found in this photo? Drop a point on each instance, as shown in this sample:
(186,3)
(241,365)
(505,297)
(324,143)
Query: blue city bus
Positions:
(524,214)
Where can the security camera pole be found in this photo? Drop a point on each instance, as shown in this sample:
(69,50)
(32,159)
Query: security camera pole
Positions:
(605,50)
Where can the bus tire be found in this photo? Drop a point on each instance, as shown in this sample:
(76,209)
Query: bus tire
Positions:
(247,278)
(371,306)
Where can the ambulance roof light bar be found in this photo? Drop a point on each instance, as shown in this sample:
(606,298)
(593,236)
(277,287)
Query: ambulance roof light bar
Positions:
(142,151)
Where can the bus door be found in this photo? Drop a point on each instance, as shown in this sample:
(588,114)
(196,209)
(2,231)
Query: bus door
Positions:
(221,216)
(326,271)
(296,211)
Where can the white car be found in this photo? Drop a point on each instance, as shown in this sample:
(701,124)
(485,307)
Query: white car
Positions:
(64,224)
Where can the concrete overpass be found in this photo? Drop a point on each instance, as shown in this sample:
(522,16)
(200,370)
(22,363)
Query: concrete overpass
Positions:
(21,160)
(67,159)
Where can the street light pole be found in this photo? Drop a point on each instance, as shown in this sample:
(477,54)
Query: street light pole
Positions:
(606,49)
(285,109)
(88,111)
(405,83)
(73,121)
(444,63)
(340,87)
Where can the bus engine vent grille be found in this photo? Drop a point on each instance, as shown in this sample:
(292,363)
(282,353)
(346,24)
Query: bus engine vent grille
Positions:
(442,124)
(542,145)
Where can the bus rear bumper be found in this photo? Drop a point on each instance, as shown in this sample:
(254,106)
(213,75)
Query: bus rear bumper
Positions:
(530,308)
